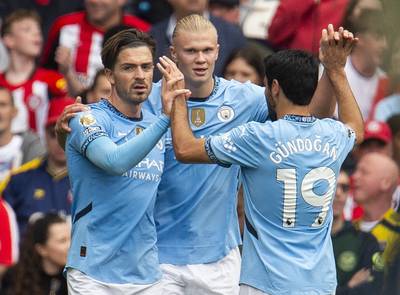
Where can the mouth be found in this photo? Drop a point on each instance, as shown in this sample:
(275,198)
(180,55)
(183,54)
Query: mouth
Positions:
(139,88)
(200,71)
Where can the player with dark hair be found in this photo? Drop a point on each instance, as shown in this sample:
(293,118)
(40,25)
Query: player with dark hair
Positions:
(289,169)
(115,159)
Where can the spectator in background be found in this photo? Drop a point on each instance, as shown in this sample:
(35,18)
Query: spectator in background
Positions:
(41,185)
(15,149)
(354,249)
(152,11)
(75,40)
(355,7)
(297,24)
(42,259)
(390,106)
(377,138)
(230,37)
(48,10)
(228,10)
(32,87)
(245,64)
(8,238)
(367,80)
(101,88)
(392,277)
(375,181)
(394,124)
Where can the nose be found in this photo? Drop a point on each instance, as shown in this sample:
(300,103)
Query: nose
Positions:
(139,73)
(200,57)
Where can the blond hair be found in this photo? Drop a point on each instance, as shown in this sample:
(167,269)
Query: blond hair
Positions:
(193,23)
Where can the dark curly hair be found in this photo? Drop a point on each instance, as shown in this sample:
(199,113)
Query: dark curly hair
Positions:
(28,272)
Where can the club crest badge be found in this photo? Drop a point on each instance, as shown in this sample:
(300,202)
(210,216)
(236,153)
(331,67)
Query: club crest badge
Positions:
(87,120)
(225,114)
(198,116)
(138,130)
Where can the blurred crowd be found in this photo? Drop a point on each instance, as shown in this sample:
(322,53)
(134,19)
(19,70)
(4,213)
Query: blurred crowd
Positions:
(50,53)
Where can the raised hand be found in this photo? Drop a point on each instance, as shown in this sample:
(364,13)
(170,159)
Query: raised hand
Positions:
(173,84)
(64,59)
(335,47)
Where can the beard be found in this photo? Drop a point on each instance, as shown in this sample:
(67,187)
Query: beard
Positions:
(271,111)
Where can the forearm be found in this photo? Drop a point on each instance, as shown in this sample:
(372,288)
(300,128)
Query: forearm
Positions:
(117,159)
(187,147)
(348,110)
(323,102)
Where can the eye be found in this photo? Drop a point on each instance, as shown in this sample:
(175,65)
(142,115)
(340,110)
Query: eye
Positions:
(147,67)
(127,67)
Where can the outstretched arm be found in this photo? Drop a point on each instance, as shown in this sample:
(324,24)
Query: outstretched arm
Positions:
(323,103)
(187,147)
(117,159)
(333,55)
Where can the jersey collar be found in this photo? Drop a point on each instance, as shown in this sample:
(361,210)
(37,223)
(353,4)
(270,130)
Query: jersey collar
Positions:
(300,119)
(118,113)
(213,92)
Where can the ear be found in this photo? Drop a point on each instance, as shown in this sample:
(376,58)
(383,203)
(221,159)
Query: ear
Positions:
(8,41)
(216,56)
(385,184)
(172,51)
(110,76)
(275,88)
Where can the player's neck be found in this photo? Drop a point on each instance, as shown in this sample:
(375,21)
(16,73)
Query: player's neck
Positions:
(292,110)
(128,109)
(5,137)
(20,69)
(201,90)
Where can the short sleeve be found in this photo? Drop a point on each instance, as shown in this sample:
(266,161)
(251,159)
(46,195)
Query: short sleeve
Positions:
(346,139)
(261,108)
(238,146)
(86,127)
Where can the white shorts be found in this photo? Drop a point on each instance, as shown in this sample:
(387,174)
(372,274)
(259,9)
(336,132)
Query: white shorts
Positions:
(247,290)
(81,284)
(216,278)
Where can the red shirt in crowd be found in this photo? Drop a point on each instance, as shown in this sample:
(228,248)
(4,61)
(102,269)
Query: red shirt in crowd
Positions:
(8,235)
(298,24)
(32,98)
(84,40)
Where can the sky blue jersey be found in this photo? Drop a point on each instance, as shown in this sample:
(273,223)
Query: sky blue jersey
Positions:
(113,230)
(289,170)
(195,210)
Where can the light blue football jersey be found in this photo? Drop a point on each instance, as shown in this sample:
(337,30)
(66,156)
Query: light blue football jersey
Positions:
(113,230)
(195,210)
(289,170)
